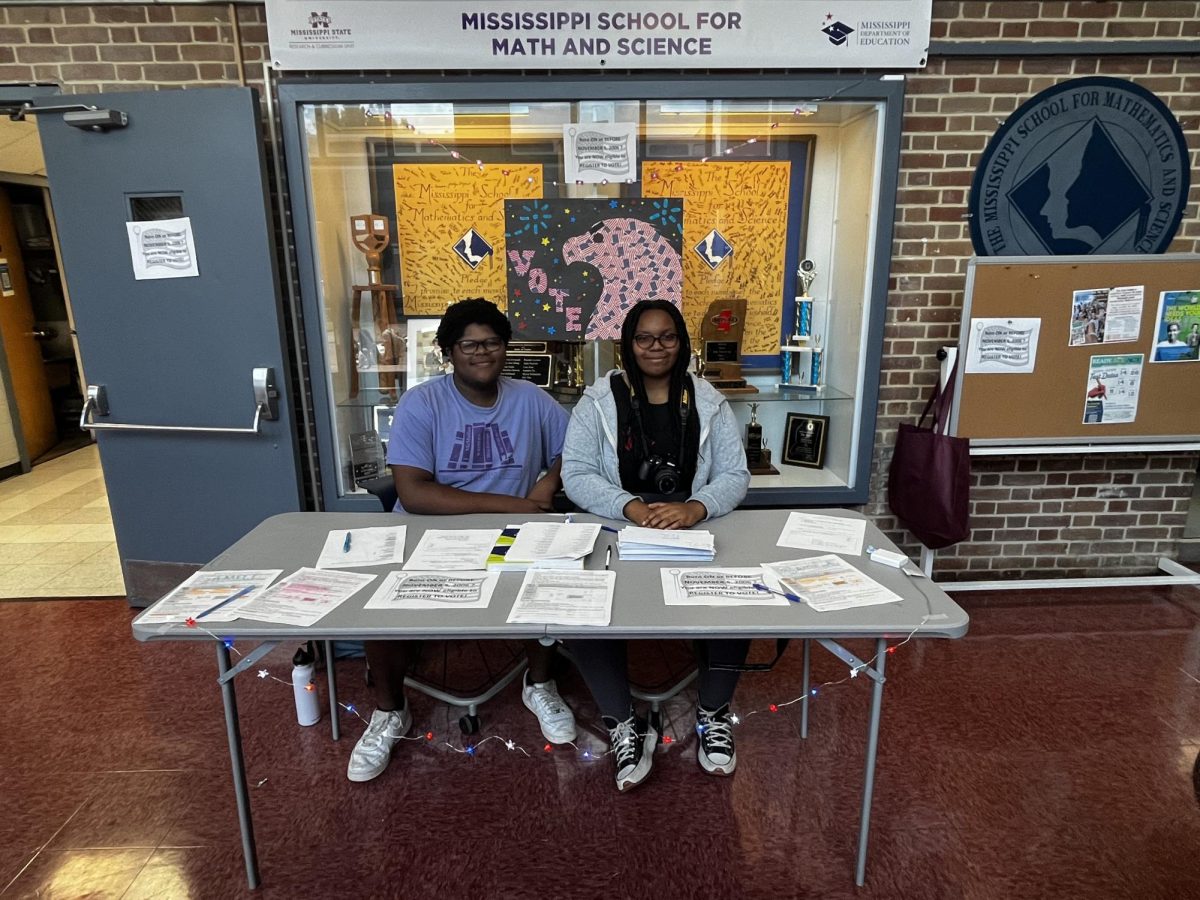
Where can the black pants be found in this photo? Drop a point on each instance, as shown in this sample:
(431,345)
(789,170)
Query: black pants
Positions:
(605,667)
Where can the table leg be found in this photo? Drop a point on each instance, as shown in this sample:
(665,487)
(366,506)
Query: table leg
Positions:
(239,770)
(333,701)
(872,744)
(807,695)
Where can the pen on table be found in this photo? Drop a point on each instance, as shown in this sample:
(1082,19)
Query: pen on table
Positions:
(242,593)
(607,556)
(608,528)
(346,544)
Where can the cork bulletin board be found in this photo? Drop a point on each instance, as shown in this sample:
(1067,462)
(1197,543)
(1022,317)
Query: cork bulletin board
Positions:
(1062,400)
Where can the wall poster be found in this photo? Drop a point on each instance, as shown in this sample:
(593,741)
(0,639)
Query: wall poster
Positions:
(576,266)
(735,238)
(450,230)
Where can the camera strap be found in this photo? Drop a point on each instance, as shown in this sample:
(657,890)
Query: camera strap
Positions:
(685,408)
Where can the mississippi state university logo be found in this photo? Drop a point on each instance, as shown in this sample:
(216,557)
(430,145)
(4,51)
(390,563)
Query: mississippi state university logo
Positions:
(1092,165)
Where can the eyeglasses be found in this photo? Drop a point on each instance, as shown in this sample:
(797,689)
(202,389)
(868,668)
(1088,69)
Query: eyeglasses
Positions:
(666,341)
(487,345)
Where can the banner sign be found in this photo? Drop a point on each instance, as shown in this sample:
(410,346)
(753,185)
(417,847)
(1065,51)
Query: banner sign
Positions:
(575,34)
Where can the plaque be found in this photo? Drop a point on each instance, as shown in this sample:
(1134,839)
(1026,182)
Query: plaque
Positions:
(366,456)
(721,334)
(804,440)
(536,368)
(758,457)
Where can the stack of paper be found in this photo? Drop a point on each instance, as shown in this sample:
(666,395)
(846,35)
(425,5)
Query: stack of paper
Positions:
(543,545)
(654,543)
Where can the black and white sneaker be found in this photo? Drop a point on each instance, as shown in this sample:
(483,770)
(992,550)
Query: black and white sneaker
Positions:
(632,742)
(716,753)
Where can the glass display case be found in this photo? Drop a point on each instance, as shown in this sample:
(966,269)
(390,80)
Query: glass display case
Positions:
(565,201)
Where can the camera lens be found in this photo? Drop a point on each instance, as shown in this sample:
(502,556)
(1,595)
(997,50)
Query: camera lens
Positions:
(666,479)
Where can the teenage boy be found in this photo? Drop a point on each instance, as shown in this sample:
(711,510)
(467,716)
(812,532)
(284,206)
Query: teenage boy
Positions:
(471,441)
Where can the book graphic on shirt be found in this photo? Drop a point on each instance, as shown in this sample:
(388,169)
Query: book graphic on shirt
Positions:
(481,447)
(1177,332)
(498,561)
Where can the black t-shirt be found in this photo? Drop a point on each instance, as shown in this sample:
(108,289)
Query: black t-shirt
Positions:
(660,424)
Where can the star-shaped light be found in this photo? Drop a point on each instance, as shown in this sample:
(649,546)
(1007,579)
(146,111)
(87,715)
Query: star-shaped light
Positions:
(189,622)
(263,673)
(510,745)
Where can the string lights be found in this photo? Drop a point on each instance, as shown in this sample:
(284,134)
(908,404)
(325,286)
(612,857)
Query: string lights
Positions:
(585,754)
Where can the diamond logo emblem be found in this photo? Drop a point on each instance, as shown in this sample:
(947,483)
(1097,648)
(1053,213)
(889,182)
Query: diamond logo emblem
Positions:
(714,249)
(472,248)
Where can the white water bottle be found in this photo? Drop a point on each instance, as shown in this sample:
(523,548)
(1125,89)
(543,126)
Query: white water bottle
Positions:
(308,710)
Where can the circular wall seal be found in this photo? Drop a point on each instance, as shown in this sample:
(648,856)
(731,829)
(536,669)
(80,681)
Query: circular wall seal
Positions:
(1091,165)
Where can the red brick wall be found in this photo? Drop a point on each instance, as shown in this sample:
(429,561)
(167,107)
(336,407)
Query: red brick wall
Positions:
(1063,515)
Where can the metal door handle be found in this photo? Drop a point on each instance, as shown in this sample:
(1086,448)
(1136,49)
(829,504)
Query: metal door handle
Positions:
(265,396)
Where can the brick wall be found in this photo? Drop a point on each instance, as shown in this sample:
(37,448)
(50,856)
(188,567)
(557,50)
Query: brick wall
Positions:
(1060,515)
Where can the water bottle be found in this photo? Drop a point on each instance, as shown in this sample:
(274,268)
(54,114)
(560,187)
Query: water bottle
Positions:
(308,711)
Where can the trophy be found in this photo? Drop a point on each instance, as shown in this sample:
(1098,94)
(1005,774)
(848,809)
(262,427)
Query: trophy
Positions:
(381,352)
(758,457)
(801,356)
(721,334)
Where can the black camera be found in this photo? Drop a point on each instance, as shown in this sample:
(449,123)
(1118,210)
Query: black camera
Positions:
(662,473)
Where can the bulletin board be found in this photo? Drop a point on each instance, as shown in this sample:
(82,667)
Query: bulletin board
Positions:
(1048,405)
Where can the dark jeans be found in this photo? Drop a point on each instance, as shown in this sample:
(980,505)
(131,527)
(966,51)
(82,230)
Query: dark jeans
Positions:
(605,667)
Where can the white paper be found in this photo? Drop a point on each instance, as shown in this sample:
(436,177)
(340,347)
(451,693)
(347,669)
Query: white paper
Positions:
(565,598)
(600,153)
(1112,389)
(1003,346)
(553,540)
(714,586)
(827,583)
(434,590)
(368,547)
(808,531)
(453,550)
(1123,321)
(204,590)
(163,248)
(306,596)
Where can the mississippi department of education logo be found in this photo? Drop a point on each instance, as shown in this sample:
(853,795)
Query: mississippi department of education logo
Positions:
(836,31)
(1092,165)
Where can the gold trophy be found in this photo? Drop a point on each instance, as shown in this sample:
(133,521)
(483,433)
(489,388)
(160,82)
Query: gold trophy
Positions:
(370,235)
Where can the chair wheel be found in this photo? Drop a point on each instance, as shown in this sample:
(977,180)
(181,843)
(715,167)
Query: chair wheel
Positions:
(469,724)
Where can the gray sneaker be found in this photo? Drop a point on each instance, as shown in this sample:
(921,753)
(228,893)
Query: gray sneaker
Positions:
(716,753)
(374,749)
(632,742)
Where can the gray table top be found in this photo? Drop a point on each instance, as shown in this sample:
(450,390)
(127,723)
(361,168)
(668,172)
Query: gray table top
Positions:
(743,538)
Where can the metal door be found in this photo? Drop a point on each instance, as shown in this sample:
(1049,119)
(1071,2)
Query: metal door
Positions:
(180,349)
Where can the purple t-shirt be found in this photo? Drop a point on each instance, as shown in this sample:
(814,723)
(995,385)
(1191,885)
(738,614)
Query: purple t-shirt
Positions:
(500,449)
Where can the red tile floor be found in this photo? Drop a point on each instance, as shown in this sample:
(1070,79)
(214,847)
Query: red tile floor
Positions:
(1050,753)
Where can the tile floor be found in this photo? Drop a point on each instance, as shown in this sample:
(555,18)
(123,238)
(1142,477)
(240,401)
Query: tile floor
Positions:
(56,533)
(1049,753)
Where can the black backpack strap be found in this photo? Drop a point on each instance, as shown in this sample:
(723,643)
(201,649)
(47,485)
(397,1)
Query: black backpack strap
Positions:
(781,644)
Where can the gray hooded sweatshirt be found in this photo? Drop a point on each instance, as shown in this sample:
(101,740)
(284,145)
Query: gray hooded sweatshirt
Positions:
(590,472)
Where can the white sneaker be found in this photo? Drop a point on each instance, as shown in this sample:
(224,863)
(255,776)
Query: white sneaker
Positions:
(555,717)
(374,749)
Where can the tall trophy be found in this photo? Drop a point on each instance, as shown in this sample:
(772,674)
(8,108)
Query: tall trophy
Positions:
(801,357)
(758,457)
(721,334)
(380,349)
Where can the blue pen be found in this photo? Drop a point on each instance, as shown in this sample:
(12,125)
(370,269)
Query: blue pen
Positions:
(608,528)
(346,545)
(789,596)
(242,593)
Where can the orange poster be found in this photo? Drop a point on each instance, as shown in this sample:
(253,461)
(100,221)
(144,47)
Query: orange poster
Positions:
(450,230)
(734,238)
